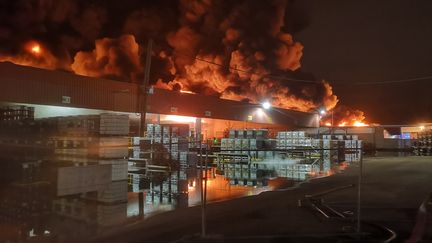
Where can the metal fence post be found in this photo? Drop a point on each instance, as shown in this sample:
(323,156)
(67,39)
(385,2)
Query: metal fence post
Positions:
(359,190)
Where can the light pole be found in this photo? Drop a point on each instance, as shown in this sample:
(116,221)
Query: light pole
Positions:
(322,113)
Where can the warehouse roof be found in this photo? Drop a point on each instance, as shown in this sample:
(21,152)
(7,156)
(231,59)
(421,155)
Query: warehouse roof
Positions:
(31,85)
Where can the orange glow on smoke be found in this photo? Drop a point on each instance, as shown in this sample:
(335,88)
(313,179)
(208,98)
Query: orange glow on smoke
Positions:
(328,124)
(34,54)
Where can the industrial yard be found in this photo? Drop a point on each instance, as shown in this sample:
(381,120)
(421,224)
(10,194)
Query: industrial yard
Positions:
(391,198)
(87,169)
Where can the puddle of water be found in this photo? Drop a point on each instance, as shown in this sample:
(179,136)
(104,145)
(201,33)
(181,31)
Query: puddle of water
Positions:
(36,210)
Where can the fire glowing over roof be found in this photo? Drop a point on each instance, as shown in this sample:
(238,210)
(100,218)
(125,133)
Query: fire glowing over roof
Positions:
(187,92)
(36,49)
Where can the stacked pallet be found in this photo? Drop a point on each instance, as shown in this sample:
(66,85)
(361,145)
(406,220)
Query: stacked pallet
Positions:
(89,213)
(345,147)
(294,139)
(93,143)
(16,113)
(85,125)
(353,150)
(169,190)
(423,145)
(174,138)
(95,139)
(248,142)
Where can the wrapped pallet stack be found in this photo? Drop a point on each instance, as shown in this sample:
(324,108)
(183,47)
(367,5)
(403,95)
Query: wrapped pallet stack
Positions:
(173,137)
(251,142)
(96,140)
(17,113)
(293,140)
(174,141)
(346,147)
(95,146)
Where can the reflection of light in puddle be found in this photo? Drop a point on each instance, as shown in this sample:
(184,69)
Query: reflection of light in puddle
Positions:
(221,188)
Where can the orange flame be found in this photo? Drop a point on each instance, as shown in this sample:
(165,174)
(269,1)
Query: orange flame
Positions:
(354,123)
(34,54)
(360,124)
(187,92)
(36,49)
(343,116)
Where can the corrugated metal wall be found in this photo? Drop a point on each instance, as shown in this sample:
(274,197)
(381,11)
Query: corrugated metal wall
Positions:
(37,86)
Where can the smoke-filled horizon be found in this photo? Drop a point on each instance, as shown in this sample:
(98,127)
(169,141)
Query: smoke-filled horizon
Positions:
(250,41)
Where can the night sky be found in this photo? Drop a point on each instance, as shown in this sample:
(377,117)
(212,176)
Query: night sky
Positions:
(347,42)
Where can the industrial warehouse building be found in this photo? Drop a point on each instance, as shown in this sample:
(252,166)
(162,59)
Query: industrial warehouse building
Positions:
(58,93)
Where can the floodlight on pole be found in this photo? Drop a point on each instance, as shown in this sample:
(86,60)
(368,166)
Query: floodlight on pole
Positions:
(266,105)
(322,112)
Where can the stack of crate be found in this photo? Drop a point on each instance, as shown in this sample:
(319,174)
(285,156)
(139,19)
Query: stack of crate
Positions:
(423,146)
(168,190)
(292,139)
(96,140)
(330,148)
(106,124)
(90,213)
(16,113)
(154,133)
(134,145)
(248,141)
(173,137)
(353,149)
(345,147)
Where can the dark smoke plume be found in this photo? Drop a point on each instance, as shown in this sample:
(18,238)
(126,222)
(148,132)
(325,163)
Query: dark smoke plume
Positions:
(231,49)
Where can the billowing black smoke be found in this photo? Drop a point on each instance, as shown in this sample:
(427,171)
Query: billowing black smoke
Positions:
(239,49)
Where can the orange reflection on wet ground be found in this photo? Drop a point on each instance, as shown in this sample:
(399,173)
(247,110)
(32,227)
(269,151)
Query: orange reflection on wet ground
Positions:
(220,189)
